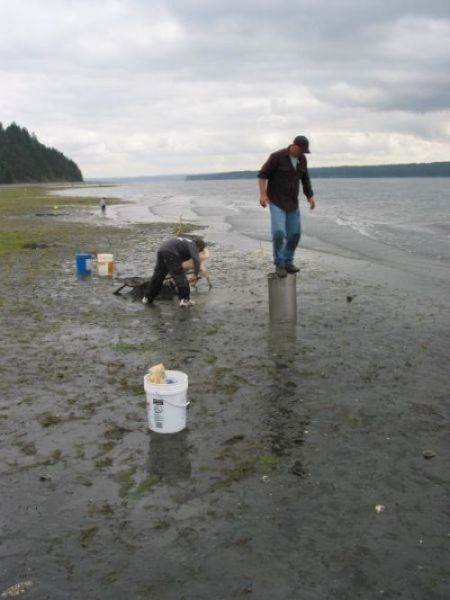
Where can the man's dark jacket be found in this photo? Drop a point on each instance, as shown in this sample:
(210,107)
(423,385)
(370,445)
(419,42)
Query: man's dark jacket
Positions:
(284,181)
(183,249)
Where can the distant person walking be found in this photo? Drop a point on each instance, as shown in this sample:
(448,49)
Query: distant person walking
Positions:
(279,186)
(169,259)
(103,205)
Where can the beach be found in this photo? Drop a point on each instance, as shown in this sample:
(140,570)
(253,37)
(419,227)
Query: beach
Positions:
(314,464)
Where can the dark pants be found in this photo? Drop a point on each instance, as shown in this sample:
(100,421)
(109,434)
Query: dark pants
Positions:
(167,262)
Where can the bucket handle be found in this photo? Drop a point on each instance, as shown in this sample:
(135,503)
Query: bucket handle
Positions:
(177,405)
(169,402)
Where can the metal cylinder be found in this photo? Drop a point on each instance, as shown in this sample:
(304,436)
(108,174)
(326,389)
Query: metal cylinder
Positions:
(282,298)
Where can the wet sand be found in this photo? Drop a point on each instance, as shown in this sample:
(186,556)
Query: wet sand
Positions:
(301,474)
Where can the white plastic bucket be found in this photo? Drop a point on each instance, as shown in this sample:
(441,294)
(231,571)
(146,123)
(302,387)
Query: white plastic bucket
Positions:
(105,264)
(167,403)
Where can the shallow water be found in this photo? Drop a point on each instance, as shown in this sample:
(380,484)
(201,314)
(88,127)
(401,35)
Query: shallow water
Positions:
(409,214)
(401,223)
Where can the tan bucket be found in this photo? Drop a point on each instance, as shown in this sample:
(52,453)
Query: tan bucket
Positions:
(105,264)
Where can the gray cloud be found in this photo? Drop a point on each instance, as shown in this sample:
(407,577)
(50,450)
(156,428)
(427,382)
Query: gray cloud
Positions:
(131,87)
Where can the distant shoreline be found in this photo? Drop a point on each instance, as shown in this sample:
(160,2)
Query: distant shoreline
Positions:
(434,169)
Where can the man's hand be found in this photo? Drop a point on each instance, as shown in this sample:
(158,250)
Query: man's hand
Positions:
(193,279)
(264,200)
(312,203)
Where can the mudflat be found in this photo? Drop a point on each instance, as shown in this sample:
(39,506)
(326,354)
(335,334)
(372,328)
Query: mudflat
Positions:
(315,460)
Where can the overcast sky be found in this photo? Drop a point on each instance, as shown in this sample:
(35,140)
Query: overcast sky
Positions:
(147,87)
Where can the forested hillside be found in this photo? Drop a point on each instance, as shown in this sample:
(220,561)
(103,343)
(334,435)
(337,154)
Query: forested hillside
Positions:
(23,159)
(435,169)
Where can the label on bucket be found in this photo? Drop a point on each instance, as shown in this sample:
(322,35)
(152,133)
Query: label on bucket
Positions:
(158,412)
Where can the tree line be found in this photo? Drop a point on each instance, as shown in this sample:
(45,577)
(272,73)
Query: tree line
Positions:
(23,159)
(436,169)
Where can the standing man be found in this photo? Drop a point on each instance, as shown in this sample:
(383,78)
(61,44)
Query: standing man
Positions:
(279,185)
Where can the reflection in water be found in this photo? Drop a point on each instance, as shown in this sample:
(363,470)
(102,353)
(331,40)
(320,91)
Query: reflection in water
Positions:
(284,417)
(168,456)
(283,344)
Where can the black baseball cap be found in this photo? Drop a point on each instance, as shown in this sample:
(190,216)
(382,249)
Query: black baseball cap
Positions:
(303,143)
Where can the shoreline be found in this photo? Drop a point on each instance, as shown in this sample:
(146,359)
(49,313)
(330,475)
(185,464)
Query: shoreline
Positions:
(423,277)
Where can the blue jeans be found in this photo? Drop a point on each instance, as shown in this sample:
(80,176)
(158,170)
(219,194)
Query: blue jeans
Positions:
(286,231)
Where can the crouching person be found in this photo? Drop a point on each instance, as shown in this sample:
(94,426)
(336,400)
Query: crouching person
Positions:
(169,259)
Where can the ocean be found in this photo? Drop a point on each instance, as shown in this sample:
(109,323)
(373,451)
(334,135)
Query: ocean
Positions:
(403,223)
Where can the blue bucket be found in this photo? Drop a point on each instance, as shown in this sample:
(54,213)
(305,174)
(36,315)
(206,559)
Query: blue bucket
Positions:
(83,263)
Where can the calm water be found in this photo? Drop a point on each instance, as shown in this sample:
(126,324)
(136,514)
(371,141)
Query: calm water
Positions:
(391,221)
(412,215)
